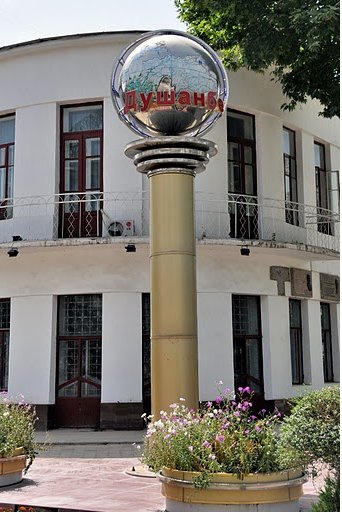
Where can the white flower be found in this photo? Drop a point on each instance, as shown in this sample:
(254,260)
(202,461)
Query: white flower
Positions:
(158,424)
(182,399)
(212,456)
(144,415)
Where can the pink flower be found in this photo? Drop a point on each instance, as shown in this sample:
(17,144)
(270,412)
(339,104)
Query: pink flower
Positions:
(219,438)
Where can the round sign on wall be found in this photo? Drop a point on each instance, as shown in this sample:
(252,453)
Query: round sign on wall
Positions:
(169,83)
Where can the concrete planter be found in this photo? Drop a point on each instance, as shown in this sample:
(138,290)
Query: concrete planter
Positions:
(11,468)
(273,492)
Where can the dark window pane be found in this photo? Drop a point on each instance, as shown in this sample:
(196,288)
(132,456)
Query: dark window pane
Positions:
(246,315)
(240,125)
(319,155)
(249,180)
(68,362)
(7,130)
(295,315)
(326,343)
(80,119)
(5,313)
(80,315)
(296,343)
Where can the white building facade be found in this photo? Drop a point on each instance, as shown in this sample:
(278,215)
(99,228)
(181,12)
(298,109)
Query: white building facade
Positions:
(74,303)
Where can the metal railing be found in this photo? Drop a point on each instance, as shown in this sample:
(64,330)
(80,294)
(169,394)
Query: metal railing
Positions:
(218,216)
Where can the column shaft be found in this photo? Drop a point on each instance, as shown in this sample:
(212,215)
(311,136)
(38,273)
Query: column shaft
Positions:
(174,355)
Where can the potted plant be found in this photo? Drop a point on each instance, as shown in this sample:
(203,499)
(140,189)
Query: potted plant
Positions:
(17,445)
(222,457)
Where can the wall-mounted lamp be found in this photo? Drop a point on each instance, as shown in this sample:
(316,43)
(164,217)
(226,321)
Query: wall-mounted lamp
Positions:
(130,248)
(244,251)
(16,238)
(12,253)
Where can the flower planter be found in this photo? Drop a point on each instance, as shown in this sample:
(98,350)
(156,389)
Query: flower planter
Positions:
(11,468)
(273,492)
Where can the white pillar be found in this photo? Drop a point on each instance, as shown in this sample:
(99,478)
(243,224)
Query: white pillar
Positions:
(121,348)
(215,343)
(312,343)
(32,354)
(276,347)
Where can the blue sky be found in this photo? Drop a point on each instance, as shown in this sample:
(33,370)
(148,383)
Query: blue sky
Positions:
(24,20)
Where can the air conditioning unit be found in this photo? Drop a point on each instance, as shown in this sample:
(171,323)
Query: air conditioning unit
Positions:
(121,228)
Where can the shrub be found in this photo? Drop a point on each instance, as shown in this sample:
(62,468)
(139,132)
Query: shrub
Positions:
(311,433)
(329,497)
(17,421)
(310,438)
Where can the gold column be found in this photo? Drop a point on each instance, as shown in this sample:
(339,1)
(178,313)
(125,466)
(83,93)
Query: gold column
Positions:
(171,163)
(174,358)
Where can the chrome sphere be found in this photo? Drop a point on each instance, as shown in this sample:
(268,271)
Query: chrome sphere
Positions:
(169,83)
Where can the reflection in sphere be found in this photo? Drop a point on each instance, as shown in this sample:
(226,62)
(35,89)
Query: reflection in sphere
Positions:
(169,83)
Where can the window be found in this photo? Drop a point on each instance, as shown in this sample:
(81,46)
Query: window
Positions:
(321,190)
(79,345)
(146,352)
(4,342)
(296,341)
(290,176)
(7,134)
(326,343)
(242,182)
(247,339)
(81,171)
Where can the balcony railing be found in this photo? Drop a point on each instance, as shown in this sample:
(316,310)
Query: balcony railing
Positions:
(218,216)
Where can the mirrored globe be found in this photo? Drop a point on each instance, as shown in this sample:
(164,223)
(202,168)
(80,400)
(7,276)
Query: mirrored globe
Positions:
(169,83)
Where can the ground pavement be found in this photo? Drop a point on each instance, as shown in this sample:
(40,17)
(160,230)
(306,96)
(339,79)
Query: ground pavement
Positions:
(92,471)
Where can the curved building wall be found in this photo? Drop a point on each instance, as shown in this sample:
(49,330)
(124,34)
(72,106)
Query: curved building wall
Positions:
(288,261)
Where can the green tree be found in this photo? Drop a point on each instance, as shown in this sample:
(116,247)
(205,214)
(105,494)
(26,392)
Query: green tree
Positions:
(297,39)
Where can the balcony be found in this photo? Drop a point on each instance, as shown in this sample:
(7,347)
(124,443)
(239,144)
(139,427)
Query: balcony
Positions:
(226,217)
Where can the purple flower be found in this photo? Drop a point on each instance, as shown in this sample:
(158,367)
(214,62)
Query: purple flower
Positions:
(219,438)
(218,399)
(206,444)
(236,413)
(246,431)
(257,428)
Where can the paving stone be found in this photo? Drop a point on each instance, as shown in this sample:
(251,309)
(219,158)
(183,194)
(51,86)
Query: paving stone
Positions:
(91,477)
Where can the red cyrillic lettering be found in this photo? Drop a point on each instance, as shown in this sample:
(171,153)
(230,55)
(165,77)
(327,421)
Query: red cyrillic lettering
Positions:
(184,98)
(130,101)
(146,100)
(220,104)
(165,98)
(199,99)
(211,100)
